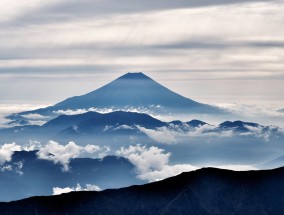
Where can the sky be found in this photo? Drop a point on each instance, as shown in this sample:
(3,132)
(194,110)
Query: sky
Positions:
(212,51)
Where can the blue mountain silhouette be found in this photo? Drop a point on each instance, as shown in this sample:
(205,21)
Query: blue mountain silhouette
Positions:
(132,90)
(206,191)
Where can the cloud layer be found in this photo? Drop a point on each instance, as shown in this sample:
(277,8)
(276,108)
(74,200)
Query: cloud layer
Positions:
(52,151)
(153,163)
(192,43)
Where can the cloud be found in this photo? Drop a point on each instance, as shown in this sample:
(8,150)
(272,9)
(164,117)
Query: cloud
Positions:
(123,127)
(91,148)
(88,187)
(62,154)
(161,135)
(110,48)
(14,9)
(237,167)
(6,109)
(58,190)
(34,116)
(258,112)
(105,110)
(153,163)
(186,41)
(174,135)
(15,108)
(166,172)
(71,112)
(145,159)
(36,12)
(32,146)
(16,167)
(7,150)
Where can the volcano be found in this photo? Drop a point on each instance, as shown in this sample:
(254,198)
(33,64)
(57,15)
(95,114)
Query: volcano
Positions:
(132,91)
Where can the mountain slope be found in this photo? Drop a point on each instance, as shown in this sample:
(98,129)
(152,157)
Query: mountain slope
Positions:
(130,91)
(91,119)
(239,126)
(206,191)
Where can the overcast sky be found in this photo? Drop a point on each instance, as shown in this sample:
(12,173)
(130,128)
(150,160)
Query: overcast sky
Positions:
(213,51)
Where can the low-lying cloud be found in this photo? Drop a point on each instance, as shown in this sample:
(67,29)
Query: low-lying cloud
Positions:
(88,187)
(153,163)
(7,150)
(62,154)
(161,135)
(52,151)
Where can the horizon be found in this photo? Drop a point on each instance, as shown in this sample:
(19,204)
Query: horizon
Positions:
(266,114)
(30,94)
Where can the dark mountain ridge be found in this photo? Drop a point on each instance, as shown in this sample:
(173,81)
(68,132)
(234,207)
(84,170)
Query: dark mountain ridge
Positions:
(207,191)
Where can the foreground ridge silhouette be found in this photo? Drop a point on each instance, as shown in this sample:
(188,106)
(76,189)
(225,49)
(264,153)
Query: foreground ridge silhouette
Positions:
(207,191)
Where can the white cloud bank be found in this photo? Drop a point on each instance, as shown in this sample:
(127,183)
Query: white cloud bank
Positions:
(142,109)
(62,154)
(153,163)
(7,150)
(177,135)
(161,135)
(88,187)
(53,151)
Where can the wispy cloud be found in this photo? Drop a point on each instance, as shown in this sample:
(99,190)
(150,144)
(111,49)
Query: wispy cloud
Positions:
(186,41)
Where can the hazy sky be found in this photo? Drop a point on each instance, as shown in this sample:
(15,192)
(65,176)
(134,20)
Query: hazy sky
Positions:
(213,51)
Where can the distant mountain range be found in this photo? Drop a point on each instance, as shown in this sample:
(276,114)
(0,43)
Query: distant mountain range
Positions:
(128,92)
(120,123)
(27,175)
(203,192)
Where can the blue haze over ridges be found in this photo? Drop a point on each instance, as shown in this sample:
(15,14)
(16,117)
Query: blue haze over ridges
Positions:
(39,176)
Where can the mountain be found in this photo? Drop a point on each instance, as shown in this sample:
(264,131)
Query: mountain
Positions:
(130,91)
(92,119)
(203,192)
(119,126)
(27,175)
(76,127)
(239,126)
(196,123)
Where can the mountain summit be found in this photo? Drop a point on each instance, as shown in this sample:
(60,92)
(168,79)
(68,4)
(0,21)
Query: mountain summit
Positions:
(133,91)
(135,75)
